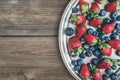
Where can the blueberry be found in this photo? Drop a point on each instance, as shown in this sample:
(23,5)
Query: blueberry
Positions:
(111,0)
(69,31)
(101,57)
(88,53)
(118,32)
(102,12)
(74,54)
(113,36)
(95,61)
(99,30)
(106,20)
(107,38)
(86,46)
(96,33)
(74,62)
(117,26)
(89,17)
(113,76)
(118,53)
(114,31)
(82,56)
(105,77)
(118,18)
(90,31)
(79,62)
(114,67)
(92,48)
(96,53)
(108,71)
(74,10)
(102,36)
(76,68)
(113,15)
(82,39)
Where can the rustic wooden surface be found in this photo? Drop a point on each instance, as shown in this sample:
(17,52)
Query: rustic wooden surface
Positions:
(28,40)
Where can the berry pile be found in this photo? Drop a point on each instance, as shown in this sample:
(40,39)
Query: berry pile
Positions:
(96,34)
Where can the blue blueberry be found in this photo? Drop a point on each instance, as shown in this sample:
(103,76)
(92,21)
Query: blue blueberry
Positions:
(113,36)
(89,17)
(114,31)
(101,57)
(90,31)
(69,31)
(88,53)
(99,30)
(74,62)
(79,62)
(74,54)
(118,32)
(111,0)
(108,71)
(106,20)
(92,48)
(118,18)
(113,15)
(96,33)
(96,53)
(113,76)
(76,68)
(114,67)
(86,46)
(105,77)
(74,10)
(107,38)
(117,26)
(102,36)
(118,53)
(102,12)
(113,20)
(95,61)
(82,39)
(82,56)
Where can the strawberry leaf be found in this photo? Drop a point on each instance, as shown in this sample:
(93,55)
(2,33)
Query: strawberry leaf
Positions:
(85,8)
(94,42)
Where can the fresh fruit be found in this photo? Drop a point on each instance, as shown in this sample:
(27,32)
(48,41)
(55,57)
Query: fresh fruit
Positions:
(78,19)
(102,36)
(96,33)
(76,68)
(95,21)
(82,56)
(107,38)
(106,20)
(113,6)
(74,62)
(88,53)
(84,72)
(104,64)
(79,62)
(95,7)
(74,44)
(114,15)
(108,71)
(96,74)
(114,67)
(74,54)
(115,44)
(101,1)
(118,18)
(92,48)
(89,65)
(107,51)
(69,31)
(111,0)
(118,53)
(102,12)
(113,76)
(96,53)
(117,26)
(108,28)
(101,57)
(89,17)
(81,30)
(91,39)
(105,77)
(86,46)
(82,39)
(90,31)
(95,61)
(74,10)
(113,36)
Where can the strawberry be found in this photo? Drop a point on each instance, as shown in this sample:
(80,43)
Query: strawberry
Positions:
(78,19)
(95,7)
(115,44)
(81,30)
(100,1)
(113,6)
(108,28)
(95,22)
(105,64)
(96,74)
(84,6)
(84,72)
(91,39)
(74,44)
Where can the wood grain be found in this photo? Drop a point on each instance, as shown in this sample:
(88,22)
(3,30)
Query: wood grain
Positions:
(30,17)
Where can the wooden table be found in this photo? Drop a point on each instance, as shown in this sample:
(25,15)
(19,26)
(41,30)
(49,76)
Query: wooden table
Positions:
(29,40)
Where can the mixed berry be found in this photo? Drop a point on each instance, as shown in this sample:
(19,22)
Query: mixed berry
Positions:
(96,36)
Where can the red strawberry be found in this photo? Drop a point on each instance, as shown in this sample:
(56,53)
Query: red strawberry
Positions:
(95,7)
(96,74)
(101,1)
(84,6)
(78,19)
(108,28)
(95,22)
(115,44)
(84,72)
(74,43)
(105,64)
(81,31)
(91,40)
(113,6)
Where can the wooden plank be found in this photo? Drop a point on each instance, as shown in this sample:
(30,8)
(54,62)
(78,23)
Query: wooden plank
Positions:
(30,17)
(31,58)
